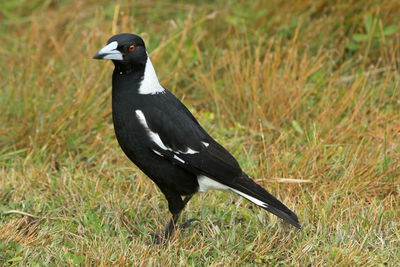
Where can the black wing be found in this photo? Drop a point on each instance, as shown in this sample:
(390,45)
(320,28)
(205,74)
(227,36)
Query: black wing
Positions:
(187,143)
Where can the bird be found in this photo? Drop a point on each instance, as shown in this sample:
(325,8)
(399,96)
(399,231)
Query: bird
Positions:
(164,140)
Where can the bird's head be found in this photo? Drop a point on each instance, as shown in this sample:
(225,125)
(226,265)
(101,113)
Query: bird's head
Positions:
(124,48)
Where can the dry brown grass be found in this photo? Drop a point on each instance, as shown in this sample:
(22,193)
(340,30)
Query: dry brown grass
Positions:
(314,120)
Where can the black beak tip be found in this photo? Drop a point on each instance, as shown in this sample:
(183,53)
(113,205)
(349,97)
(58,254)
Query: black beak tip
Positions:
(98,56)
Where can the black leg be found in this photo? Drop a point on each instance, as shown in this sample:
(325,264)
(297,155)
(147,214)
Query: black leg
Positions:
(171,225)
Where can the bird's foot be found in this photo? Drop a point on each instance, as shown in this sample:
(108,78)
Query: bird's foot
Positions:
(163,236)
(187,223)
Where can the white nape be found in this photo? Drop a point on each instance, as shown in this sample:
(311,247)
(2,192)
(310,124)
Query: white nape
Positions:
(206,183)
(150,84)
(252,199)
(153,136)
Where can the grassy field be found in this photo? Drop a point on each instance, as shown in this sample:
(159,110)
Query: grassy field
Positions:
(305,94)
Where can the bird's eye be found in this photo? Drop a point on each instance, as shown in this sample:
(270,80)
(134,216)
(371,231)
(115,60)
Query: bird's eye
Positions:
(132,48)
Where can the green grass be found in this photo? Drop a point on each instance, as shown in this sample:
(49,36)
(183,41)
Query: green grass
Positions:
(305,94)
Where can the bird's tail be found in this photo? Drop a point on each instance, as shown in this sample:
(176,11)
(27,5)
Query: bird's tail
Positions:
(248,189)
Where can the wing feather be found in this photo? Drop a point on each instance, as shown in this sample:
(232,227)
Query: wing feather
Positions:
(185,140)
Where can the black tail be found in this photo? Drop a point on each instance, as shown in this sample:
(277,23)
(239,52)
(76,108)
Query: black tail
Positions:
(248,189)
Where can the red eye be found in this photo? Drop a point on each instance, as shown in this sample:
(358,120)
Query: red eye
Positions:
(132,48)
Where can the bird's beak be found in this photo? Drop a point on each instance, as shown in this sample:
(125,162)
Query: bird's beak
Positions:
(109,52)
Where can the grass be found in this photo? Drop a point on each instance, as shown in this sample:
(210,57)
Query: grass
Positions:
(305,95)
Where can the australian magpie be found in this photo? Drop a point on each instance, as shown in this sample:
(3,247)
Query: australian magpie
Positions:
(160,135)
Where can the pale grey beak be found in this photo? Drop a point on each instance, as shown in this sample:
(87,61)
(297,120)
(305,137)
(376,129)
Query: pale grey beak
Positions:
(109,52)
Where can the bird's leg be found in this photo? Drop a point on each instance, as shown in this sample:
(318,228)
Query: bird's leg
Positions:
(170,228)
(171,225)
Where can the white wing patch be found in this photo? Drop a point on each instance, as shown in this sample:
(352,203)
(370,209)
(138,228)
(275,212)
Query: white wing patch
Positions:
(205,144)
(158,153)
(150,84)
(189,151)
(157,140)
(206,183)
(252,199)
(153,136)
(178,158)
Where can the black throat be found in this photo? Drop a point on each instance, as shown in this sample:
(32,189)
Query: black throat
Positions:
(126,80)
(128,68)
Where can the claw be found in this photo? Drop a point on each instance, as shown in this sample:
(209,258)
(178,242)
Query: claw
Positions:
(163,236)
(188,223)
(158,238)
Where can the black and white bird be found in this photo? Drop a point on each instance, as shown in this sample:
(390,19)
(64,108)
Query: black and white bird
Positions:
(160,135)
